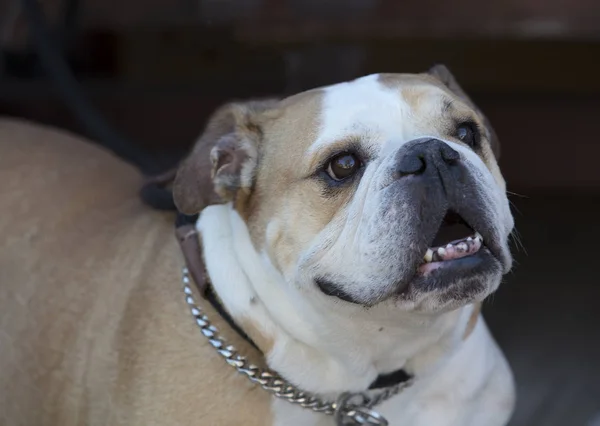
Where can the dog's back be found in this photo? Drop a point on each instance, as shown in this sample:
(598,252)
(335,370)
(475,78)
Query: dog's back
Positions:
(93,327)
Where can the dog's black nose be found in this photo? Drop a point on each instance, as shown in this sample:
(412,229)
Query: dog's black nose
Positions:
(423,155)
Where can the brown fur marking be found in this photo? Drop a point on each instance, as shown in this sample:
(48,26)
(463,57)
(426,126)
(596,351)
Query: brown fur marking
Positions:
(472,320)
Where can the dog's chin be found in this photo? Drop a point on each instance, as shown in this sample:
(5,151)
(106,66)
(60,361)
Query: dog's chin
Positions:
(438,287)
(448,285)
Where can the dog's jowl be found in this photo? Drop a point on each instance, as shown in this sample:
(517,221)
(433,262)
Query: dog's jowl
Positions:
(350,235)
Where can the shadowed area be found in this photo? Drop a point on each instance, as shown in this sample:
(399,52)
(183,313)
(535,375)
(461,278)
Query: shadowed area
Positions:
(546,315)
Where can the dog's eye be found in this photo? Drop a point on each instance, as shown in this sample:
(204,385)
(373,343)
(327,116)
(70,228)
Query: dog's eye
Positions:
(468,133)
(343,166)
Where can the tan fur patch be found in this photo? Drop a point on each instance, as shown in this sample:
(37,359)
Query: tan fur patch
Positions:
(472,320)
(296,119)
(490,161)
(393,81)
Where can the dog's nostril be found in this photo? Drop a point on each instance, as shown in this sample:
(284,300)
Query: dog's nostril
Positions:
(420,157)
(449,155)
(411,165)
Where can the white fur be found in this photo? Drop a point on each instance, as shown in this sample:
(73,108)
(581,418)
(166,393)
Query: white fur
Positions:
(362,107)
(366,108)
(329,349)
(324,355)
(473,388)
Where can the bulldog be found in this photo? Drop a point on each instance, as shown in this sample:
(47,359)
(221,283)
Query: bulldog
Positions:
(352,234)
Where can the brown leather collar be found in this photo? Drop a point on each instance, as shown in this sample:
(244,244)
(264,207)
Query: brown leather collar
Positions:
(189,241)
(187,235)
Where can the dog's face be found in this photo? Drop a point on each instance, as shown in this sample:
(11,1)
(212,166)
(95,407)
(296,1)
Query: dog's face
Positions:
(381,191)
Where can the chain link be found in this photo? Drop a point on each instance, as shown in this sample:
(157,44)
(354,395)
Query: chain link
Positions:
(349,409)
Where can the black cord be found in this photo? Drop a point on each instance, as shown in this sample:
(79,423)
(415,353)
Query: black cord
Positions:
(70,13)
(72,93)
(57,69)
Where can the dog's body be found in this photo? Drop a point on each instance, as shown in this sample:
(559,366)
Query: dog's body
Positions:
(319,273)
(93,327)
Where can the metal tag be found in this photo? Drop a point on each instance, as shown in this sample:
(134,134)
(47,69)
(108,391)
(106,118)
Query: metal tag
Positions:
(348,413)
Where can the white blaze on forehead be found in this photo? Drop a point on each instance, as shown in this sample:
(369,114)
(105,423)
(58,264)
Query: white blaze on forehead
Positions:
(376,114)
(362,108)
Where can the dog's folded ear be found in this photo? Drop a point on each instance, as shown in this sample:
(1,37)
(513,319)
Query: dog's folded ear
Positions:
(222,163)
(443,74)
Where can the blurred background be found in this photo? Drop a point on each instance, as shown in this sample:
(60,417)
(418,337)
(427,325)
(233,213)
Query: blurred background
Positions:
(155,69)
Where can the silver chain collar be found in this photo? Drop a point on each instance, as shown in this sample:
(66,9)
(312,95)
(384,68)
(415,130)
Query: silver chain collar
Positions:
(349,409)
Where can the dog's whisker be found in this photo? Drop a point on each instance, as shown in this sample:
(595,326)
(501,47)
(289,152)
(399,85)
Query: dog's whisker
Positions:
(518,242)
(514,207)
(517,194)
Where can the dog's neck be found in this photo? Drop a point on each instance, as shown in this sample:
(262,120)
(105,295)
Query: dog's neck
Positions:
(320,349)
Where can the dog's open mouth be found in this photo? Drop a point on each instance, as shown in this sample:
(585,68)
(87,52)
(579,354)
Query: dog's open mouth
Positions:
(454,240)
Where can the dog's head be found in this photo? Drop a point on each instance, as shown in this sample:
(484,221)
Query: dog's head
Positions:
(381,190)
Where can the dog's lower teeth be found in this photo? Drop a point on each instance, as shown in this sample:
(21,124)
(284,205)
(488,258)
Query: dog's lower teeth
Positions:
(429,256)
(437,254)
